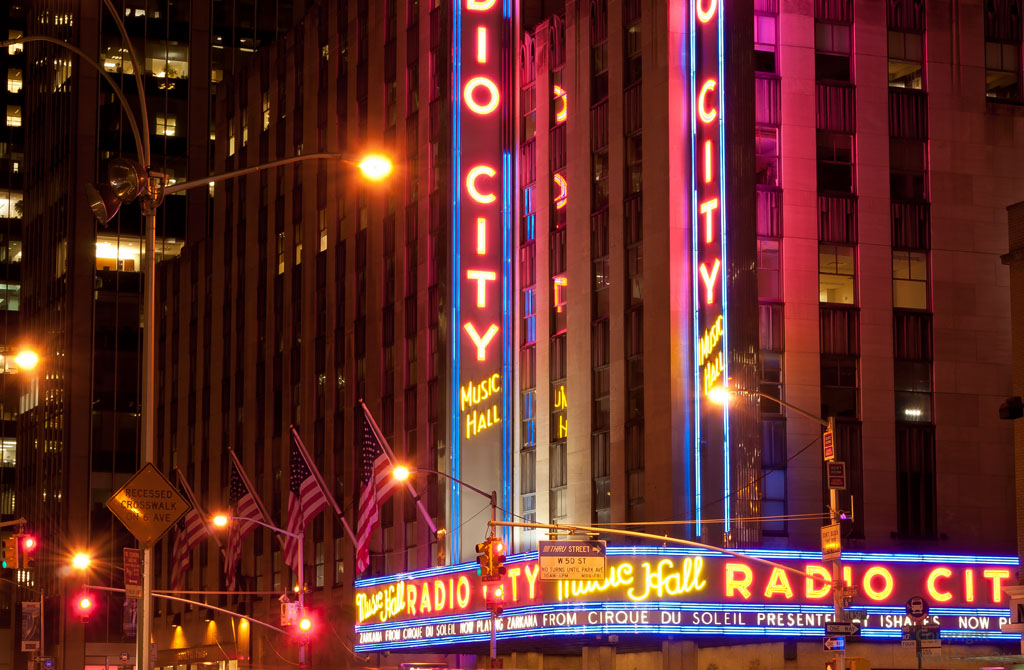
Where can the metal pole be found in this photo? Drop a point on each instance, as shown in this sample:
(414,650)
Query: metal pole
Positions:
(494,618)
(42,623)
(302,600)
(148,417)
(838,588)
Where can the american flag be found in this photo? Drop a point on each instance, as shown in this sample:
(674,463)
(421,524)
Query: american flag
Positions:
(377,484)
(190,531)
(243,504)
(305,500)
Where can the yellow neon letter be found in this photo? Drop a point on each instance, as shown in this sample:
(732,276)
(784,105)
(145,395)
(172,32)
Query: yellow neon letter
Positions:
(471,184)
(481,236)
(492,92)
(812,591)
(707,209)
(481,45)
(562,112)
(997,576)
(563,191)
(705,15)
(739,585)
(778,583)
(707,116)
(933,591)
(887,583)
(709,279)
(707,162)
(479,5)
(481,342)
(481,277)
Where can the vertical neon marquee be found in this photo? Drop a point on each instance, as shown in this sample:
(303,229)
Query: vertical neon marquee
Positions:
(710,298)
(481,252)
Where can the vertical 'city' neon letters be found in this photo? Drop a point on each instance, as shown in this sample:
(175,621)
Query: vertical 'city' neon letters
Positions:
(493,97)
(479,5)
(778,584)
(997,577)
(933,588)
(738,578)
(706,115)
(710,279)
(481,277)
(481,236)
(708,210)
(474,192)
(481,342)
(481,44)
(869,583)
(705,15)
(815,589)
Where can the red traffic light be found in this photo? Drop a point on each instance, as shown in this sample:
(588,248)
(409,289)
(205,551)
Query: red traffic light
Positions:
(84,605)
(28,543)
(305,624)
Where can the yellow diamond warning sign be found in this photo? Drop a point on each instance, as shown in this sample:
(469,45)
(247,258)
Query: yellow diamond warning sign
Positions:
(148,505)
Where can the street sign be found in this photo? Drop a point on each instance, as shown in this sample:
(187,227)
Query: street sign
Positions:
(148,504)
(829,447)
(44,662)
(928,636)
(836,475)
(132,575)
(841,628)
(831,542)
(123,656)
(572,560)
(917,608)
(835,643)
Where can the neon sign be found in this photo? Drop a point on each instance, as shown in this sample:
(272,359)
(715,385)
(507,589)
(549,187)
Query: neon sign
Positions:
(481,243)
(673,591)
(708,244)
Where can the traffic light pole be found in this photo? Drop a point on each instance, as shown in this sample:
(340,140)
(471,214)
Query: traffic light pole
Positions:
(494,618)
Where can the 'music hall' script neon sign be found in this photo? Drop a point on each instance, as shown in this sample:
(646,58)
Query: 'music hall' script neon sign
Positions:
(481,240)
(685,592)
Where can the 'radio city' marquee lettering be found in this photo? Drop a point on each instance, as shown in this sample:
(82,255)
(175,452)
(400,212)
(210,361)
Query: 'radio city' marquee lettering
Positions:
(684,592)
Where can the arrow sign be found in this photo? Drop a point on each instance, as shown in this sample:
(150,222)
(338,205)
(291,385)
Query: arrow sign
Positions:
(841,628)
(835,643)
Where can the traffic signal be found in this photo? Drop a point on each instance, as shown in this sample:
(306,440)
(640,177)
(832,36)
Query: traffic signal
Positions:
(305,626)
(483,558)
(490,556)
(497,557)
(84,606)
(495,599)
(28,548)
(10,552)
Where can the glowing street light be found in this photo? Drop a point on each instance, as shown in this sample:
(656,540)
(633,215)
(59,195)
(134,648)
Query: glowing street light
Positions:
(720,395)
(81,561)
(220,521)
(401,473)
(27,359)
(375,167)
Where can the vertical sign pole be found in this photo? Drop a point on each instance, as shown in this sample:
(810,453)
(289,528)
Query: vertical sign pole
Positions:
(838,598)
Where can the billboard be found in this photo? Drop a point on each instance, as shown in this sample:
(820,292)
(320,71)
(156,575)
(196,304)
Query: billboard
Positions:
(656,592)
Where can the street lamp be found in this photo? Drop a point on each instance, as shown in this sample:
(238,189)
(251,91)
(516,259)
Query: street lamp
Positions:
(27,359)
(375,167)
(81,561)
(722,395)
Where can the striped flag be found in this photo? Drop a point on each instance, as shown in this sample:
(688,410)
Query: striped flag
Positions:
(305,500)
(244,504)
(190,531)
(377,484)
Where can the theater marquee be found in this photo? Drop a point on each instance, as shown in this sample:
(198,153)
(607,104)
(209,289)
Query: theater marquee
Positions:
(681,592)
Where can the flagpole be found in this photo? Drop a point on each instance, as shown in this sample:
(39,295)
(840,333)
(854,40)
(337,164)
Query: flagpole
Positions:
(323,485)
(252,491)
(195,505)
(391,457)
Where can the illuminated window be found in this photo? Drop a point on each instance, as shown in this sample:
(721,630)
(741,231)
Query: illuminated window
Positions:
(245,128)
(529,312)
(913,384)
(322,228)
(231,137)
(14,81)
(280,253)
(118,253)
(906,60)
(266,110)
(165,125)
(166,60)
(13,116)
(835,162)
(915,482)
(15,48)
(1002,70)
(11,205)
(836,271)
(10,297)
(909,280)
(766,140)
(765,42)
(832,52)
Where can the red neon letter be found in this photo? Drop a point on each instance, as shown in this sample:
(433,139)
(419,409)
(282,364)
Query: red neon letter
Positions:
(492,92)
(481,236)
(479,5)
(705,15)
(481,45)
(481,342)
(563,111)
(813,588)
(707,116)
(709,280)
(481,277)
(734,585)
(563,191)
(707,209)
(969,585)
(471,178)
(997,576)
(933,591)
(707,162)
(887,586)
(778,583)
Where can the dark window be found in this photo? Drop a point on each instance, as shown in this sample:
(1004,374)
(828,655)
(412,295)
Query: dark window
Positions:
(832,52)
(908,170)
(773,464)
(839,386)
(1002,70)
(835,162)
(765,42)
(915,481)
